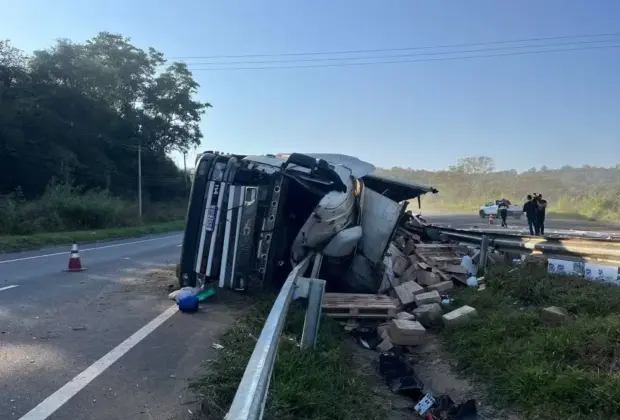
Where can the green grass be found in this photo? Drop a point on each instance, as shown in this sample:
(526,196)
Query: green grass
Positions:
(320,385)
(37,240)
(571,371)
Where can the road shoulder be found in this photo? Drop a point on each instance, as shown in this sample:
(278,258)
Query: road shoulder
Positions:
(16,243)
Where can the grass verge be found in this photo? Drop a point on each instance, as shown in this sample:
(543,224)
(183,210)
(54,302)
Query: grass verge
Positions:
(37,240)
(320,385)
(570,371)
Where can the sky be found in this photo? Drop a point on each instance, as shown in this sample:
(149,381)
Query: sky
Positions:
(553,109)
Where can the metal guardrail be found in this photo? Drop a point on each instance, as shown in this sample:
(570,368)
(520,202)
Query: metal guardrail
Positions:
(251,397)
(588,250)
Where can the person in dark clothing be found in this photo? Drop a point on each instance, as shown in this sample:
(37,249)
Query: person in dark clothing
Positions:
(530,212)
(502,208)
(541,209)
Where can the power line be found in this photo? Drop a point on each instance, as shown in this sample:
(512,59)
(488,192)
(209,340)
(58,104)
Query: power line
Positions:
(406,61)
(401,55)
(472,44)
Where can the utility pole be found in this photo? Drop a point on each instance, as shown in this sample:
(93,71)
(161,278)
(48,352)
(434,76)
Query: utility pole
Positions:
(185,168)
(140,179)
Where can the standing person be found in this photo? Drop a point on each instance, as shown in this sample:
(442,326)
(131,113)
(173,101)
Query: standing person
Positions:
(502,208)
(540,214)
(530,212)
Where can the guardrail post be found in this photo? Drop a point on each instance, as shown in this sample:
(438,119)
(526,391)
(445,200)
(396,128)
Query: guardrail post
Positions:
(313,314)
(484,253)
(316,266)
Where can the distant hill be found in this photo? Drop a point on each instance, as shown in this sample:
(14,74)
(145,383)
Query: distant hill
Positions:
(588,191)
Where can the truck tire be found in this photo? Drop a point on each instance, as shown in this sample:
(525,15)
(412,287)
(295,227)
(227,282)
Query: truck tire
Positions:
(482,214)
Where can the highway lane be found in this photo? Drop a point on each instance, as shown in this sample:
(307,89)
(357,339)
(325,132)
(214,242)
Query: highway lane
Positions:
(519,226)
(56,326)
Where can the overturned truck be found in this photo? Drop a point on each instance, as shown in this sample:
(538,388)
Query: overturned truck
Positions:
(251,219)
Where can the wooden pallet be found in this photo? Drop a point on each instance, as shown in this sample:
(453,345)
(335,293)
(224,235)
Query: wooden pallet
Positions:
(352,306)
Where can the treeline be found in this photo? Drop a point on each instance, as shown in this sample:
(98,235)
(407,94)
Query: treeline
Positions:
(588,191)
(72,119)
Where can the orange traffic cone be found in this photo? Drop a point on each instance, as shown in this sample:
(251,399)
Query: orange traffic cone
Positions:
(490,219)
(75,264)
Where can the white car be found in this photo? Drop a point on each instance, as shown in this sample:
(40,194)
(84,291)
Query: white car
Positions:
(491,207)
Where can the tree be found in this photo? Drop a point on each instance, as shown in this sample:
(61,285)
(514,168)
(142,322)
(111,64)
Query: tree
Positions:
(476,165)
(78,111)
(170,116)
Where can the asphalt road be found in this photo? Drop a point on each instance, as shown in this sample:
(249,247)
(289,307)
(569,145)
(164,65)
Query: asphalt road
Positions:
(60,334)
(562,227)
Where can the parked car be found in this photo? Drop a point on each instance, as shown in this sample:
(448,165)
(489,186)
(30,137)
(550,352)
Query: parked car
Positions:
(490,208)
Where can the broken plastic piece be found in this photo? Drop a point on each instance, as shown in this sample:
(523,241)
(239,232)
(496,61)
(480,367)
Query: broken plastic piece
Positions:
(425,404)
(367,338)
(399,376)
(472,281)
(202,296)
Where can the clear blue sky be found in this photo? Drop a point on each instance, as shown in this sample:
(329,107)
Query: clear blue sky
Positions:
(524,110)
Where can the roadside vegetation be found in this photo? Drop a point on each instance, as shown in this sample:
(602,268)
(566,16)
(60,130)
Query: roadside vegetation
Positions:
(568,371)
(64,208)
(73,118)
(10,243)
(320,385)
(586,193)
(64,214)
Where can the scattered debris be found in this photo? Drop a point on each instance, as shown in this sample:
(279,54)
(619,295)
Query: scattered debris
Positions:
(472,281)
(179,294)
(428,297)
(459,316)
(407,292)
(444,286)
(406,316)
(217,346)
(351,307)
(409,309)
(202,296)
(406,333)
(385,345)
(399,376)
(554,315)
(429,315)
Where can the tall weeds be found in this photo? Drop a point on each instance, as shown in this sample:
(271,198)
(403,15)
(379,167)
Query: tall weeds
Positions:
(63,207)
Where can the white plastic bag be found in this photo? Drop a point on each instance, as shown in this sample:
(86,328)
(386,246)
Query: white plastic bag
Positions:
(184,292)
(469,265)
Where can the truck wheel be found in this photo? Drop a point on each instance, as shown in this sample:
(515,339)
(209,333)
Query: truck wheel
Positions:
(482,214)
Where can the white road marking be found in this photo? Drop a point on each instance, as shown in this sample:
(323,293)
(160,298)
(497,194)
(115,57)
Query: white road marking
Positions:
(52,403)
(179,245)
(87,249)
(8,287)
